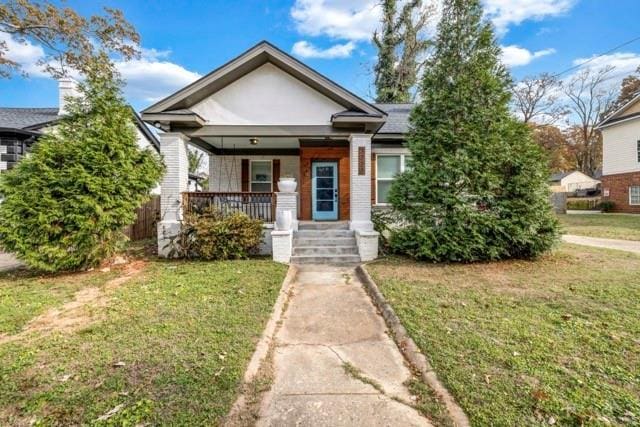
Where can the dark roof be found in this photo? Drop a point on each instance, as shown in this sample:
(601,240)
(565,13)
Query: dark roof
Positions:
(25,118)
(29,119)
(397,118)
(618,119)
(559,175)
(145,130)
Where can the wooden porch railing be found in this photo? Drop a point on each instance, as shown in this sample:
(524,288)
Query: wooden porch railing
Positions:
(256,205)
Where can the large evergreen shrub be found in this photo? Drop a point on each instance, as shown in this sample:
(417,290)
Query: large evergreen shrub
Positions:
(477,186)
(65,204)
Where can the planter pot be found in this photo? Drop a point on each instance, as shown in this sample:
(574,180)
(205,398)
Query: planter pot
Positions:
(284,220)
(287,185)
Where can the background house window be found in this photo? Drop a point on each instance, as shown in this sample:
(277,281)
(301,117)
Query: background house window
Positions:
(634,195)
(388,166)
(261,176)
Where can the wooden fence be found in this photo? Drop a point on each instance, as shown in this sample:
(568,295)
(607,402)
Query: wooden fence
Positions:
(147,217)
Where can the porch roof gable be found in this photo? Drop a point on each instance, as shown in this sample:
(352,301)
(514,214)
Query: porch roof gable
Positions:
(262,53)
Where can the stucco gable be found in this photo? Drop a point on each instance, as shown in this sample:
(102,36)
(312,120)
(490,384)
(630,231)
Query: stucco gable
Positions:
(267,96)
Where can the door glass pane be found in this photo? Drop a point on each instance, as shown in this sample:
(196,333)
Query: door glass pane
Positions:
(324,206)
(261,187)
(383,191)
(324,183)
(324,194)
(261,171)
(324,171)
(388,166)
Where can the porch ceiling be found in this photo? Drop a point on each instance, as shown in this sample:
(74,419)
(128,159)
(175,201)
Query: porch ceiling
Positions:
(229,143)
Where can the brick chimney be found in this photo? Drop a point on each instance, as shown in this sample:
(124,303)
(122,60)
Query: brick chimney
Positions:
(66,87)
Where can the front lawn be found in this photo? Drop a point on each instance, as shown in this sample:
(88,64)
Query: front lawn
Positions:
(611,226)
(552,341)
(167,347)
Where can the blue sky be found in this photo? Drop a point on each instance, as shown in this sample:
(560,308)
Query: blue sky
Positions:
(185,39)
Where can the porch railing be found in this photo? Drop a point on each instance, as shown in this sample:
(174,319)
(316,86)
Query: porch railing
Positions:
(256,205)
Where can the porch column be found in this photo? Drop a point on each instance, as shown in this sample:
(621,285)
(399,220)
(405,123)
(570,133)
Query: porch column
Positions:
(360,182)
(173,147)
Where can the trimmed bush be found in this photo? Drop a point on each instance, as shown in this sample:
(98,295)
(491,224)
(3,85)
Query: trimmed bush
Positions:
(65,205)
(607,206)
(214,235)
(477,187)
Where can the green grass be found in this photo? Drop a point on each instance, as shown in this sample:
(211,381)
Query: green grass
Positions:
(24,295)
(611,226)
(526,343)
(171,346)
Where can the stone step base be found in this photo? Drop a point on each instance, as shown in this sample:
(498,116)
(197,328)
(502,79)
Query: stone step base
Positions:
(326,259)
(325,250)
(325,234)
(323,241)
(329,225)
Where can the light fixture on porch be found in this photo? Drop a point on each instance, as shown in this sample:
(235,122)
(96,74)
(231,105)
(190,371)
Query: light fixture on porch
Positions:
(254,141)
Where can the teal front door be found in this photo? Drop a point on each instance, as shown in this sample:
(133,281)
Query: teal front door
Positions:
(324,191)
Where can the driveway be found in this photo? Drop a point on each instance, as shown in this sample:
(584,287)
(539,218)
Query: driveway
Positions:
(334,363)
(597,242)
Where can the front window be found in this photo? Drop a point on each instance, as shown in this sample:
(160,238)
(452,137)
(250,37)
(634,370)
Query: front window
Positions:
(388,166)
(634,195)
(638,149)
(261,176)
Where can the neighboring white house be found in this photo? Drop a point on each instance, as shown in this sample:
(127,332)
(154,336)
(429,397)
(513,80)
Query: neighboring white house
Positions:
(265,115)
(621,157)
(572,181)
(21,127)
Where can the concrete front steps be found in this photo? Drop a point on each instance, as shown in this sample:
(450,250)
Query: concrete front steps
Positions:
(324,243)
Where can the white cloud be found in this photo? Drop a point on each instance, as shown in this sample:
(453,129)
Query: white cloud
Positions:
(516,56)
(505,13)
(624,63)
(305,49)
(148,79)
(349,20)
(24,53)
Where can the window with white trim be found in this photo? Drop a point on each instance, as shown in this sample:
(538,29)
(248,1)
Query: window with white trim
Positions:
(634,195)
(388,166)
(261,173)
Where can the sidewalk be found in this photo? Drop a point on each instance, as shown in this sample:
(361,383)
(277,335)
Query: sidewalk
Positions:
(334,363)
(622,245)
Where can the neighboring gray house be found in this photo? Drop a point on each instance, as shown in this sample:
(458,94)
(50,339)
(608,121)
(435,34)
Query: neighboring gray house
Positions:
(21,127)
(265,115)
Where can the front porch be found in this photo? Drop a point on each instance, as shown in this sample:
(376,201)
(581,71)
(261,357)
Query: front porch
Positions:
(245,179)
(262,116)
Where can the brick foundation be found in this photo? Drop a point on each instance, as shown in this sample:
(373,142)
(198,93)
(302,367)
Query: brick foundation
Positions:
(618,186)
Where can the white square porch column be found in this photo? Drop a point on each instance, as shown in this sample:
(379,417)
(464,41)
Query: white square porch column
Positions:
(360,182)
(173,147)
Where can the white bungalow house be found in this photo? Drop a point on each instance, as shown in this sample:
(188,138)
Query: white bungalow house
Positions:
(572,181)
(263,116)
(621,157)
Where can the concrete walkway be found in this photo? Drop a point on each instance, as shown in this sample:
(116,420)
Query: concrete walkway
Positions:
(334,363)
(622,245)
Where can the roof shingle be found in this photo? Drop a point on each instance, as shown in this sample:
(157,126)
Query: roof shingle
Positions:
(22,118)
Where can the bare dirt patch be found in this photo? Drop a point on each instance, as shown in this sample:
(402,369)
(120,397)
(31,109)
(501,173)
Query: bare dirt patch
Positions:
(77,313)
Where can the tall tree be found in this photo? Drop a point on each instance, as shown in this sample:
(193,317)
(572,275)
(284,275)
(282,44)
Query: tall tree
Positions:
(589,98)
(629,89)
(195,158)
(477,186)
(68,39)
(535,99)
(554,143)
(66,204)
(400,45)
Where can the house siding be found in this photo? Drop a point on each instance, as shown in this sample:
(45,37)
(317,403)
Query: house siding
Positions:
(618,188)
(619,148)
(225,171)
